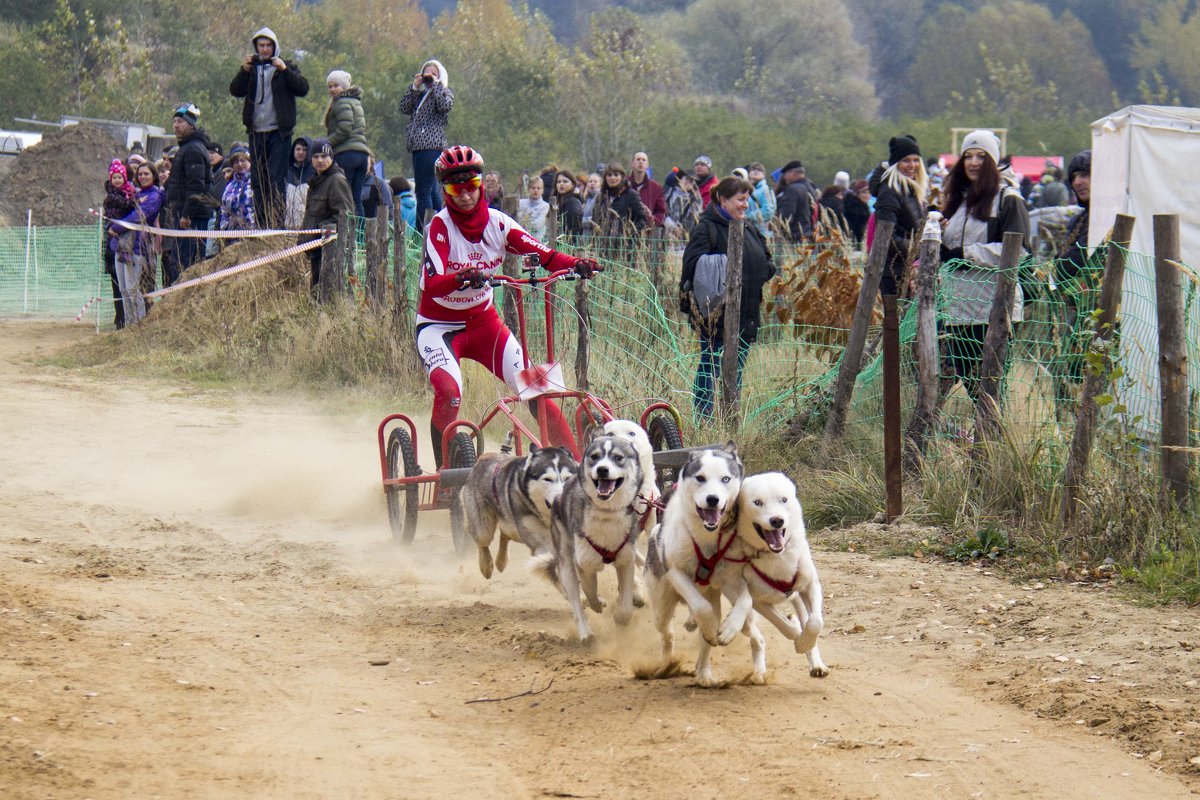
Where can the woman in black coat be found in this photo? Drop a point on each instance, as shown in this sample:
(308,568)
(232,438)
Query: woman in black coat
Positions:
(730,200)
(618,210)
(900,188)
(570,207)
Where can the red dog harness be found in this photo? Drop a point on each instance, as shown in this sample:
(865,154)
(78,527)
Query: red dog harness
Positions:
(776,584)
(706,566)
(609,556)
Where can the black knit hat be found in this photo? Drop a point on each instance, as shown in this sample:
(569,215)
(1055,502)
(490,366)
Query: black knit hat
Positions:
(1082,162)
(320,147)
(900,147)
(791,165)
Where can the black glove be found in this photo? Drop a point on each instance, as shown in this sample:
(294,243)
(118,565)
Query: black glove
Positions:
(951,253)
(475,278)
(587,267)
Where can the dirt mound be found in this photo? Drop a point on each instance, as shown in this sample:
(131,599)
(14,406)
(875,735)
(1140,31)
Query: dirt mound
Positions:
(60,178)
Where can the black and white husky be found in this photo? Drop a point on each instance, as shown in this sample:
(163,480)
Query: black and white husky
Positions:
(775,566)
(594,524)
(514,494)
(685,560)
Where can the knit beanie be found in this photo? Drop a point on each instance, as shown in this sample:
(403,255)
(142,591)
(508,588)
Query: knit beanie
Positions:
(842,179)
(900,147)
(339,78)
(118,166)
(983,140)
(320,147)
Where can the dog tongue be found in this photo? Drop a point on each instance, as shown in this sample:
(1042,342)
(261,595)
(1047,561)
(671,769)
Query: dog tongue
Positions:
(605,487)
(711,517)
(774,539)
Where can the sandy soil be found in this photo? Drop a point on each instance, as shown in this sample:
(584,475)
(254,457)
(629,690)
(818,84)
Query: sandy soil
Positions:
(198,598)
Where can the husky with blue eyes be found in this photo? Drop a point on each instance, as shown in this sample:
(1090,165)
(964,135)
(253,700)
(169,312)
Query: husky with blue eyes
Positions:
(686,559)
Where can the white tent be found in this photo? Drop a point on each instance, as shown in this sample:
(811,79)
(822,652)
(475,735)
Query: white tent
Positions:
(1146,161)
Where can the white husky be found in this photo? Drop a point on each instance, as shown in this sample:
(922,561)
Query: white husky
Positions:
(776,567)
(685,558)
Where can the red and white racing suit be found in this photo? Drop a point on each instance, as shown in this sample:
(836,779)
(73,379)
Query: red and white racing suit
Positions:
(456,322)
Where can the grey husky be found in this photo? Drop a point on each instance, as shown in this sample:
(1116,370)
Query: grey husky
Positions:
(595,522)
(514,494)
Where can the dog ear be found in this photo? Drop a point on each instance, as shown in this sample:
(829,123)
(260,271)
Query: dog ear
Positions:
(598,432)
(731,448)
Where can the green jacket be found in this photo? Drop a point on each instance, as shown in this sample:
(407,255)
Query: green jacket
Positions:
(345,123)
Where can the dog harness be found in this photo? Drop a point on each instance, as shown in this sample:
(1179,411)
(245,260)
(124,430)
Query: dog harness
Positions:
(609,556)
(776,584)
(706,566)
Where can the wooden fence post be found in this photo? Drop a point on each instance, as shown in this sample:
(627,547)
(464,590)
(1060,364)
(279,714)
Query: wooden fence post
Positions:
(893,473)
(928,358)
(995,345)
(552,222)
(509,206)
(1172,362)
(376,270)
(1109,306)
(730,390)
(851,362)
(399,264)
(333,263)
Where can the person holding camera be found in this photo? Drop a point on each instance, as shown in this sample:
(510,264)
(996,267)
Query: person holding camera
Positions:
(456,313)
(269,87)
(427,103)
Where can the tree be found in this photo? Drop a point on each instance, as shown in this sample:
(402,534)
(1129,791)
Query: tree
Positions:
(616,72)
(791,57)
(1167,49)
(1005,47)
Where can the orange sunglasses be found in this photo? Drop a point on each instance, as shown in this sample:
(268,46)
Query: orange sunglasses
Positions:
(469,183)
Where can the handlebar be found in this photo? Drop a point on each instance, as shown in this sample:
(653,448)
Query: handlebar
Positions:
(500,279)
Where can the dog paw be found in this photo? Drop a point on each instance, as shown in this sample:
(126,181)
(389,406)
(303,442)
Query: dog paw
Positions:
(689,624)
(485,562)
(758,678)
(725,634)
(623,617)
(501,560)
(707,680)
(819,671)
(598,605)
(587,640)
(639,601)
(805,642)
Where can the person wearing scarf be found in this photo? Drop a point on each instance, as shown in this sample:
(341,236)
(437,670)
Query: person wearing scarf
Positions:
(118,201)
(465,244)
(237,201)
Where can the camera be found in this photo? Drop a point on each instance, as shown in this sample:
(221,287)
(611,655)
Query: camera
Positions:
(427,79)
(260,60)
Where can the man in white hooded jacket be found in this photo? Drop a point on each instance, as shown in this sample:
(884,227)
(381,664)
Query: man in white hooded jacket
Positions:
(427,103)
(269,87)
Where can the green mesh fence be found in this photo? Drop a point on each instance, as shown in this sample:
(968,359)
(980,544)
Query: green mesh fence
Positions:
(643,349)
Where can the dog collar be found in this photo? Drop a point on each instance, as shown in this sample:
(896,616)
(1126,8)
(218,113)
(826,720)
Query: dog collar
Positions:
(776,584)
(609,556)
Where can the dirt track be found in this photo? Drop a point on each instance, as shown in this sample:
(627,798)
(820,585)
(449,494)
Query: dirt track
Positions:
(194,586)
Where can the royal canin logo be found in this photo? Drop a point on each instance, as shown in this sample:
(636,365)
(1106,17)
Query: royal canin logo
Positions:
(455,266)
(474,256)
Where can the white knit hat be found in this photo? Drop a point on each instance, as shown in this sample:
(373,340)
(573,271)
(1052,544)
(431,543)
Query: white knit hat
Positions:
(983,140)
(842,178)
(339,78)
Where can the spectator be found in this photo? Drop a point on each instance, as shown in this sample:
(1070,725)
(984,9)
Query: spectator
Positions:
(135,250)
(375,193)
(269,86)
(901,190)
(188,203)
(1053,191)
(648,189)
(493,189)
(237,201)
(762,200)
(591,194)
(1077,274)
(299,173)
(163,168)
(532,209)
(403,194)
(833,201)
(570,207)
(795,202)
(118,202)
(731,199)
(346,129)
(133,161)
(705,180)
(979,207)
(329,198)
(618,211)
(547,175)
(685,203)
(856,208)
(427,103)
(216,190)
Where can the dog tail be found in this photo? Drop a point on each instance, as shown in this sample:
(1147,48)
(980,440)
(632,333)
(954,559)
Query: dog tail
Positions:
(545,565)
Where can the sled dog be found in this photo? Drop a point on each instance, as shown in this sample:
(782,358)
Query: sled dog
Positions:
(595,523)
(776,566)
(685,560)
(514,494)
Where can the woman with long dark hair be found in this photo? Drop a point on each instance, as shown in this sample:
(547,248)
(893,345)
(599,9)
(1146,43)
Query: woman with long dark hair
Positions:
(978,208)
(900,188)
(570,207)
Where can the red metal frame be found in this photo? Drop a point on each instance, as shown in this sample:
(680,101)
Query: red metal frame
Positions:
(430,497)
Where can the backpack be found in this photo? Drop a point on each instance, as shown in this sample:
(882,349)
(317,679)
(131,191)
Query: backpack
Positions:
(708,286)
